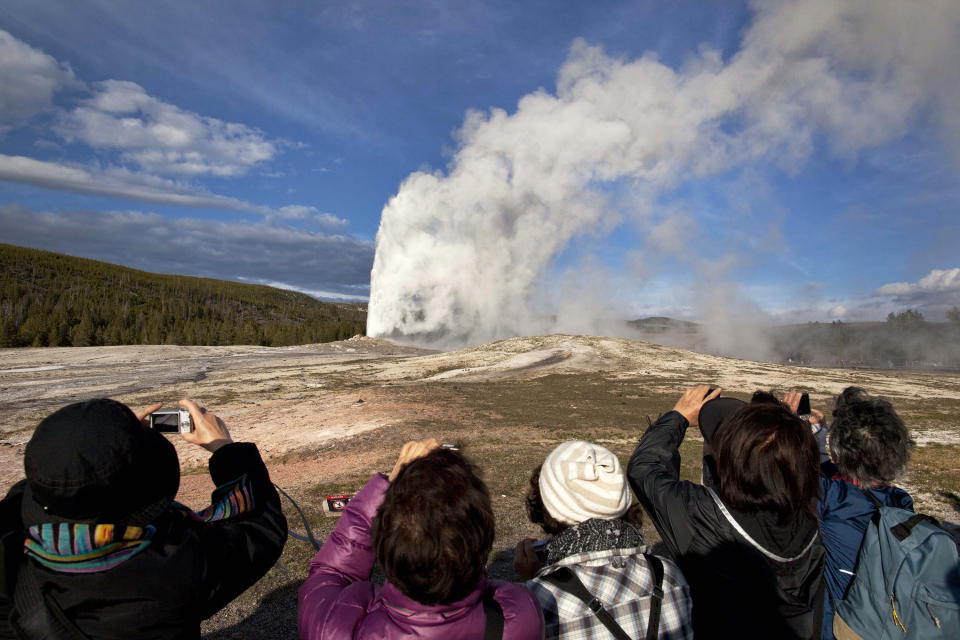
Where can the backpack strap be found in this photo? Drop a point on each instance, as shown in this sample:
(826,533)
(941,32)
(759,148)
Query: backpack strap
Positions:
(876,501)
(902,531)
(653,622)
(493,628)
(567,580)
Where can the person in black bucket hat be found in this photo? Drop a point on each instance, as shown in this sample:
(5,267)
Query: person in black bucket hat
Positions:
(96,461)
(95,546)
(747,538)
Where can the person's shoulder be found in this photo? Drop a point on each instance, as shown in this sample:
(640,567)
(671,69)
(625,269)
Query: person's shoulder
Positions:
(341,612)
(506,592)
(514,598)
(838,494)
(898,497)
(672,575)
(522,614)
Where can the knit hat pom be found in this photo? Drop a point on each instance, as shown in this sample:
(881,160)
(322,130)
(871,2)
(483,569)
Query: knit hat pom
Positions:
(580,480)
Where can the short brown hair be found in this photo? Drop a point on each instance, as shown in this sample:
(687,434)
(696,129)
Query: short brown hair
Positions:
(767,460)
(434,531)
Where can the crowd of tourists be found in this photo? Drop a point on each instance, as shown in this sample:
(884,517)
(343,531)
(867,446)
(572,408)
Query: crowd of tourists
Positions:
(795,530)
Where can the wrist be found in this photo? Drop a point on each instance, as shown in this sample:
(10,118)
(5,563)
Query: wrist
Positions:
(217,444)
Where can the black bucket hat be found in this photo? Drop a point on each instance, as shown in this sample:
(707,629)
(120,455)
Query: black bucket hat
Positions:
(95,462)
(715,411)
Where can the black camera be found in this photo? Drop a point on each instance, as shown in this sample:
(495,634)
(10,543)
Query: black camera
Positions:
(803,409)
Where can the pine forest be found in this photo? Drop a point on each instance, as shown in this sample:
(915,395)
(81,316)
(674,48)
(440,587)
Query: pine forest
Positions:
(51,299)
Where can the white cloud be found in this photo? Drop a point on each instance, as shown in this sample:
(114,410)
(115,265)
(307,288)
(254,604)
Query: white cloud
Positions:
(305,260)
(936,282)
(116,182)
(301,212)
(161,137)
(28,80)
(931,295)
(318,293)
(837,312)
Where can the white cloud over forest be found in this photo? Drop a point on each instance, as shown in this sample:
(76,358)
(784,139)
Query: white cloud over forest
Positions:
(163,138)
(295,258)
(936,282)
(160,148)
(29,78)
(118,182)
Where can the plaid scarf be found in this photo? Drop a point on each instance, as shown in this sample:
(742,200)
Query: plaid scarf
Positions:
(69,547)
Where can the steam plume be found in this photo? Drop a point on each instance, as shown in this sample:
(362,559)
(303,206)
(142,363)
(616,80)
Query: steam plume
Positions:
(464,256)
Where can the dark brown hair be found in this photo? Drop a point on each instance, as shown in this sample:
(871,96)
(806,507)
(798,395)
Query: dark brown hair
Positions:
(868,440)
(767,459)
(434,531)
(538,514)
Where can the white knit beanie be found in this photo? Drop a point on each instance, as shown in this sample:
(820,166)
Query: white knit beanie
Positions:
(580,480)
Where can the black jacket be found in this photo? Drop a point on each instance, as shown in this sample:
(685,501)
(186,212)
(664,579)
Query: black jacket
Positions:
(737,590)
(189,571)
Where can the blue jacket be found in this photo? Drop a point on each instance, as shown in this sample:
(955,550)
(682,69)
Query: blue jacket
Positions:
(844,515)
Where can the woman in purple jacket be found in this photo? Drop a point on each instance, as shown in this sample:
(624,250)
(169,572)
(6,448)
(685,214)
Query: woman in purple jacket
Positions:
(430,527)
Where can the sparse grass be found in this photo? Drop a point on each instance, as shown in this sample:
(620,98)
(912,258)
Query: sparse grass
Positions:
(935,469)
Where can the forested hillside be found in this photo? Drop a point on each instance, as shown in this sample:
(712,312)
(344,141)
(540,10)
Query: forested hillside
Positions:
(50,299)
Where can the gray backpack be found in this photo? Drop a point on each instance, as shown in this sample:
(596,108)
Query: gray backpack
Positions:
(907,582)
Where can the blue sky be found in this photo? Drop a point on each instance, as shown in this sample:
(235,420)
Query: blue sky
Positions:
(261,142)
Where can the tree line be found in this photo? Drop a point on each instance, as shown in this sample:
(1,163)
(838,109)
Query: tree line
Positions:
(905,340)
(51,299)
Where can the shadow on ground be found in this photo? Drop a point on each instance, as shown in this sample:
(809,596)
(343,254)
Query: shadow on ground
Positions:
(276,617)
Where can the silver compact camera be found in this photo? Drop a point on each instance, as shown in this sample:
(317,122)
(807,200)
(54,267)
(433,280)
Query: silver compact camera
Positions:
(177,421)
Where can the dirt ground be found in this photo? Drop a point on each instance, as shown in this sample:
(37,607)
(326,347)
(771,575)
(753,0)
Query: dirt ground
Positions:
(327,416)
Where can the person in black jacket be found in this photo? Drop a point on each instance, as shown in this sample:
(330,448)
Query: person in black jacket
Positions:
(748,542)
(94,545)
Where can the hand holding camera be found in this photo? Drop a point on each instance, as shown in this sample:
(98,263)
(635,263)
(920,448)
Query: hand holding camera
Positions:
(192,421)
(799,403)
(692,400)
(411,451)
(209,431)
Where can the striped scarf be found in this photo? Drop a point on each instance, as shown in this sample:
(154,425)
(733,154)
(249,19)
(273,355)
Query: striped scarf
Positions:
(85,548)
(69,547)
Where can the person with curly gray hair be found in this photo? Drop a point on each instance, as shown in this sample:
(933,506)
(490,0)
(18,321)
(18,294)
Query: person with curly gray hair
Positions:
(869,447)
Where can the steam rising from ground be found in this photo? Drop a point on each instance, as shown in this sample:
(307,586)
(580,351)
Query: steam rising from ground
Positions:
(466,256)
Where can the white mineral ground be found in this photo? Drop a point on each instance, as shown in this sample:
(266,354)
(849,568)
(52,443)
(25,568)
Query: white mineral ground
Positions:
(292,398)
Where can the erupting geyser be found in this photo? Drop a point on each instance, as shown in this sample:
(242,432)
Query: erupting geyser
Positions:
(462,256)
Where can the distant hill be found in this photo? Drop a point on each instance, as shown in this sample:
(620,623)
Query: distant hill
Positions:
(51,299)
(661,324)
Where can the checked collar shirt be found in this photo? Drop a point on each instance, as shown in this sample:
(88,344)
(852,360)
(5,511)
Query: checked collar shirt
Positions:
(623,582)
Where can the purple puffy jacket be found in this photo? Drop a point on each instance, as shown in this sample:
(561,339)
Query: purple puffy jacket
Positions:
(338,601)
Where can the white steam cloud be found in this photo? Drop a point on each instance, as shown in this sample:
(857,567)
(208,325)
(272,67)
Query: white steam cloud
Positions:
(463,256)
